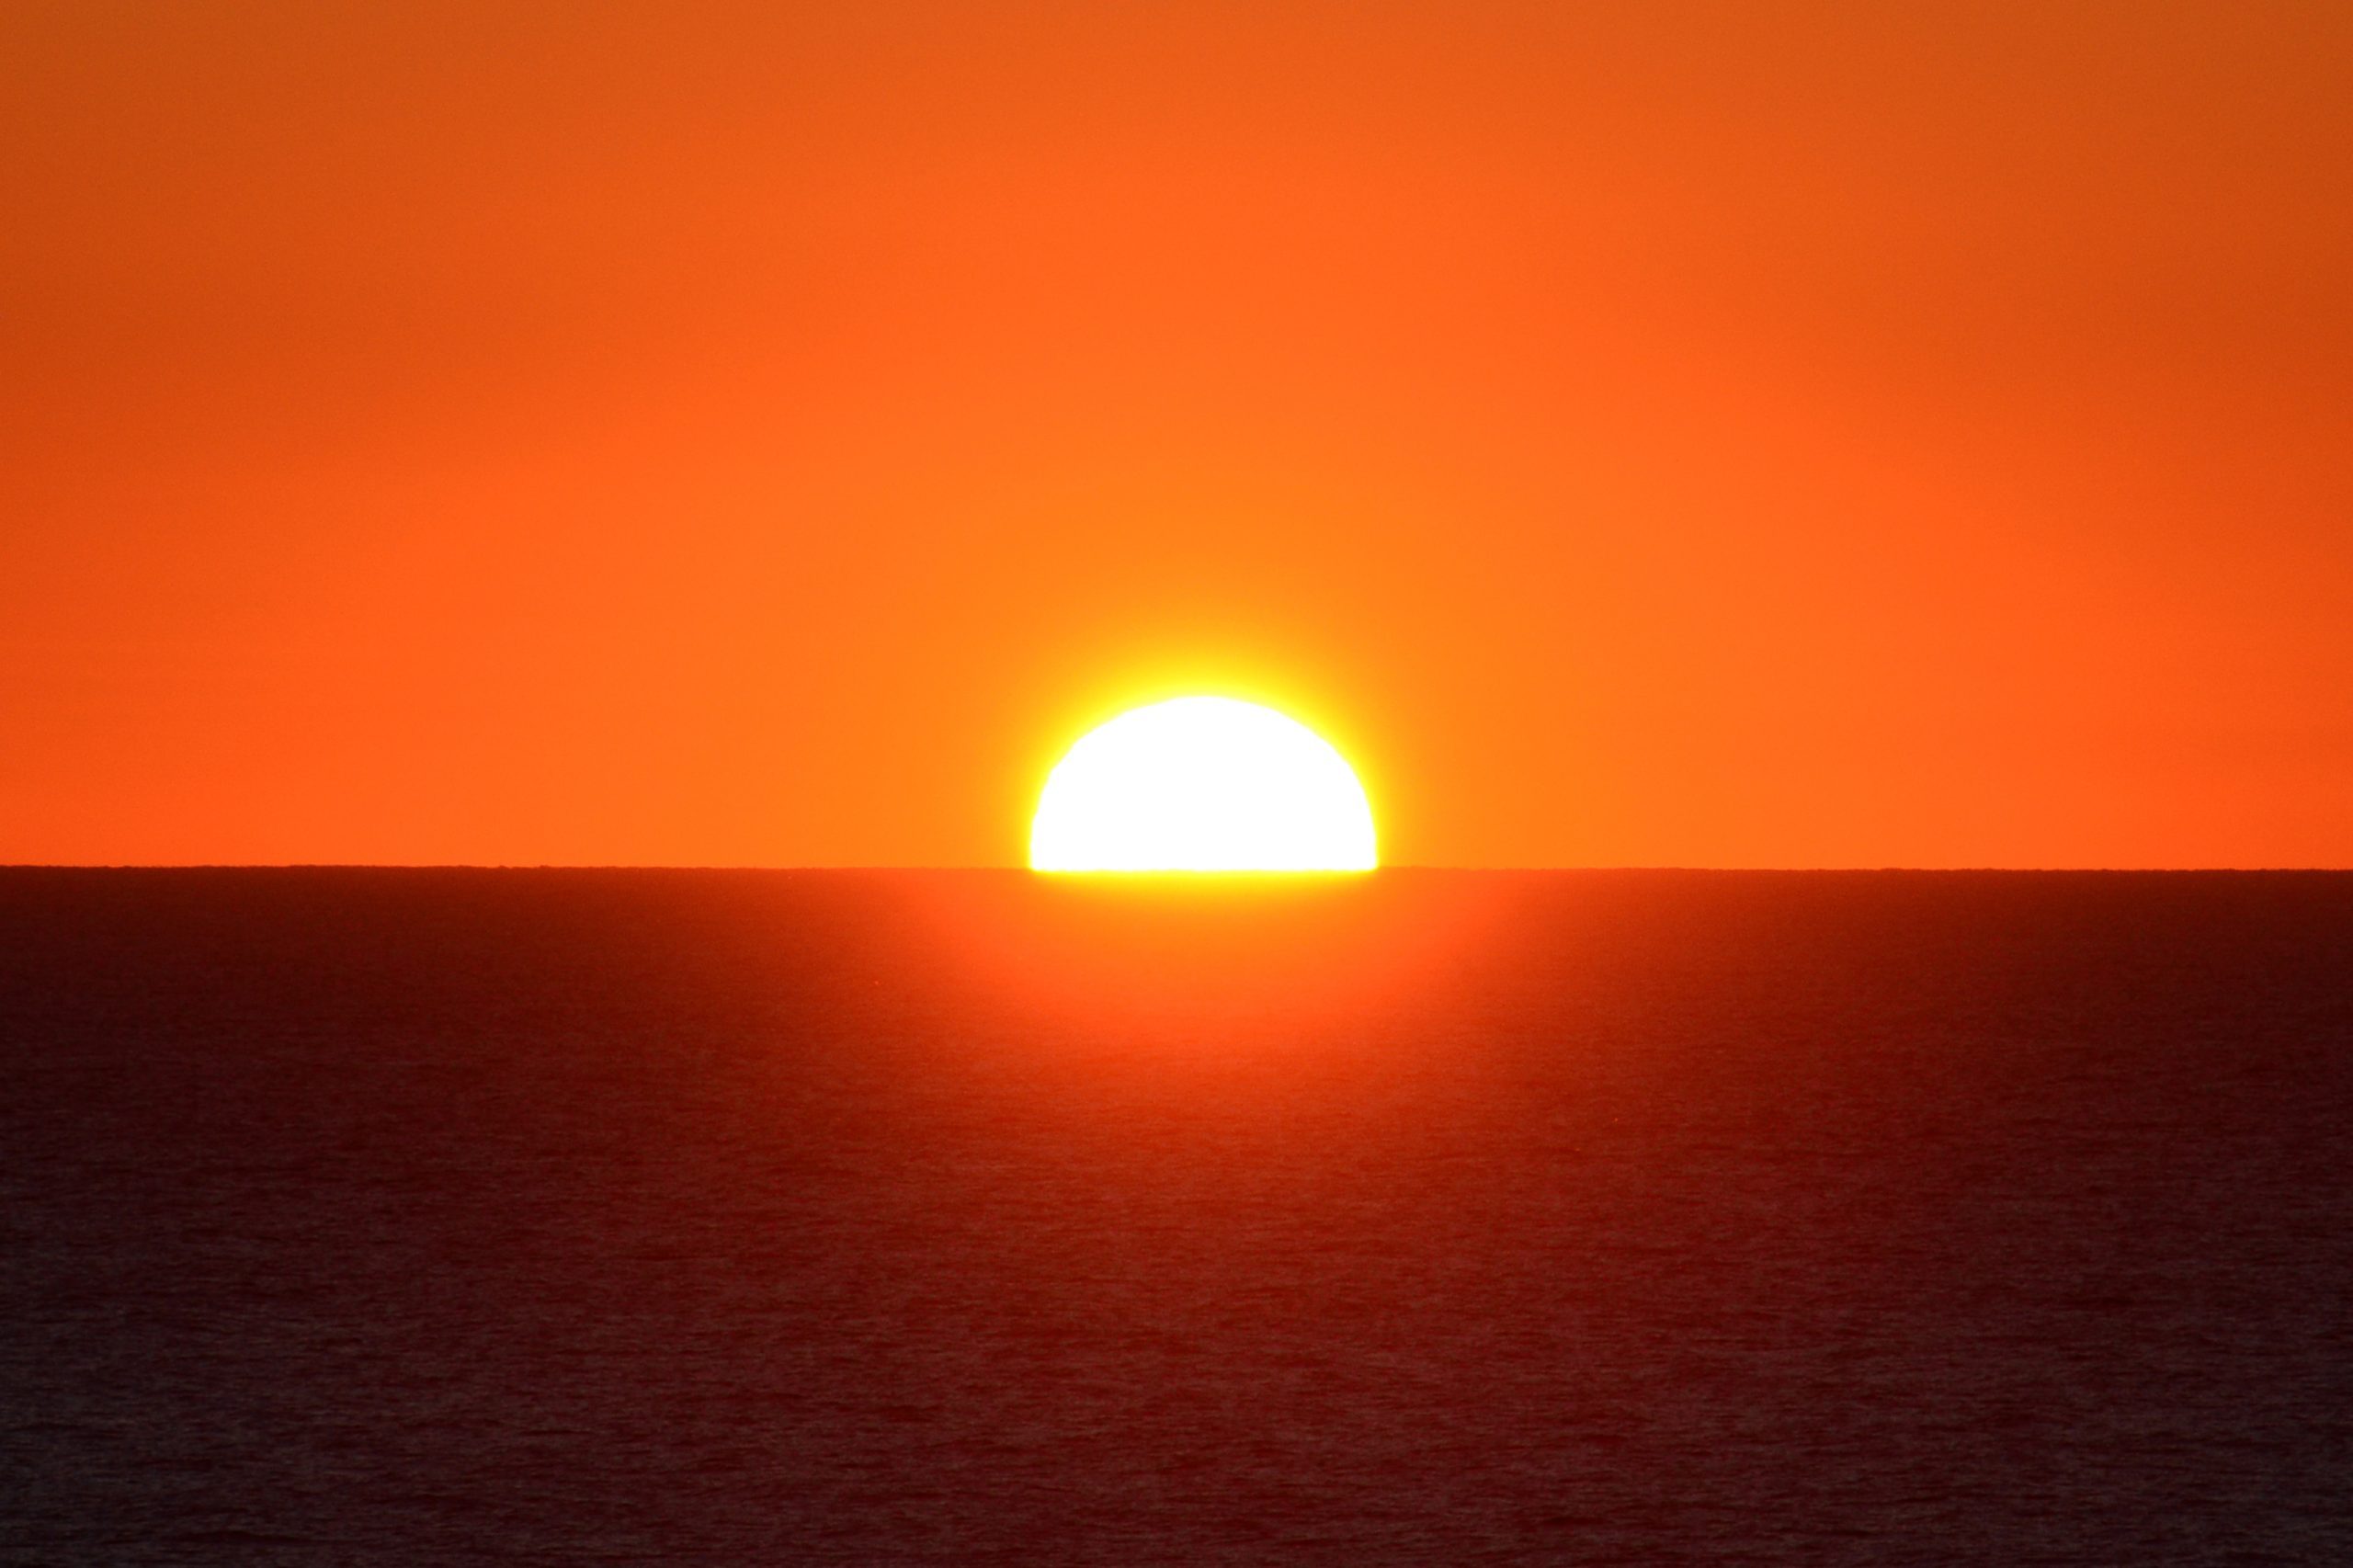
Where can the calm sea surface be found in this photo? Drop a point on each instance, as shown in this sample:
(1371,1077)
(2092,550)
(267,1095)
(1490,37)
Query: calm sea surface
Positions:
(419,1217)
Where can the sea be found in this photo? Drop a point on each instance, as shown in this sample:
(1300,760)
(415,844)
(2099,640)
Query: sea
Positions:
(421,1217)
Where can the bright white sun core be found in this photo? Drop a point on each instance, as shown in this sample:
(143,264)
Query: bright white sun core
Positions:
(1202,784)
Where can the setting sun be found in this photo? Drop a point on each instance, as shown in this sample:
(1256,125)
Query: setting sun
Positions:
(1202,784)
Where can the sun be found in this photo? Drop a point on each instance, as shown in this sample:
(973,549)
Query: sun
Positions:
(1202,784)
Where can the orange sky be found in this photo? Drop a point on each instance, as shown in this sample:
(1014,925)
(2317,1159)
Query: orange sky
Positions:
(1832,433)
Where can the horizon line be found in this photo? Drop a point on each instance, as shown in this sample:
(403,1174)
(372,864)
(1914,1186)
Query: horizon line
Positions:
(949,869)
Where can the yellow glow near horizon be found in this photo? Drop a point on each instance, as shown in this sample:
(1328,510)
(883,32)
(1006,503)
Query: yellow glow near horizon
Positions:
(1202,784)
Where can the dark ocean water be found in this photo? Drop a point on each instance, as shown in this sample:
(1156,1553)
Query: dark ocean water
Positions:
(881,1218)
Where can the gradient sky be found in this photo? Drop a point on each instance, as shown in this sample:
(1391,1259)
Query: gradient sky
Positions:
(1805,435)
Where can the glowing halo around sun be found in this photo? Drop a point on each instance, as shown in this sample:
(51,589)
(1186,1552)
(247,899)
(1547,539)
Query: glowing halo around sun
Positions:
(1202,784)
